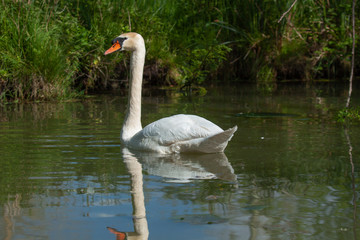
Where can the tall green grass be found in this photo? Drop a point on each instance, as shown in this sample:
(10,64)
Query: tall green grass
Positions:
(34,64)
(54,49)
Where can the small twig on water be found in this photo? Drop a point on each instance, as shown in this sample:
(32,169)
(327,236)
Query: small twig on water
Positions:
(353,181)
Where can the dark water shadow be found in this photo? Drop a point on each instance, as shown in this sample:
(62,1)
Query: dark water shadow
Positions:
(265,115)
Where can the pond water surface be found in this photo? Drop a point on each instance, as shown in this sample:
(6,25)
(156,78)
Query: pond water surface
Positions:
(290,171)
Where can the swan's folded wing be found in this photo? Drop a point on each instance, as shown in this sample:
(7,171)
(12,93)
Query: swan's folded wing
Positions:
(167,131)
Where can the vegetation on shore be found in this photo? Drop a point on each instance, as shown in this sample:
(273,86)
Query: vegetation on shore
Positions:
(349,114)
(54,49)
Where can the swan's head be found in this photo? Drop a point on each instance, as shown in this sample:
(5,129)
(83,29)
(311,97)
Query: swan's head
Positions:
(126,42)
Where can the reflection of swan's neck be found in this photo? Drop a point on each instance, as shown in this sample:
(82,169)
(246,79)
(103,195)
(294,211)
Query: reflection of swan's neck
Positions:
(137,192)
(137,196)
(132,122)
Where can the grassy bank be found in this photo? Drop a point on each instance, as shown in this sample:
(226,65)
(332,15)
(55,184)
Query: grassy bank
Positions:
(54,49)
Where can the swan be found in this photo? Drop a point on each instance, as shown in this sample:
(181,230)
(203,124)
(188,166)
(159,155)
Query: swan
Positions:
(175,134)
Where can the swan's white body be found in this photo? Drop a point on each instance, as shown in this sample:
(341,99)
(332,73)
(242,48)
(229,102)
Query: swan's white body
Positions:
(175,134)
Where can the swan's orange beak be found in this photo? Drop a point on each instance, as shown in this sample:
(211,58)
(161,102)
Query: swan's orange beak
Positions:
(113,48)
(119,235)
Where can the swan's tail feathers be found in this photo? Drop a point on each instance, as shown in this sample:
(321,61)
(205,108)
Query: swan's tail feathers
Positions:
(217,142)
(212,144)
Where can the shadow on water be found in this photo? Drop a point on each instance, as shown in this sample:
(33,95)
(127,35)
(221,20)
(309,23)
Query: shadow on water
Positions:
(265,115)
(175,168)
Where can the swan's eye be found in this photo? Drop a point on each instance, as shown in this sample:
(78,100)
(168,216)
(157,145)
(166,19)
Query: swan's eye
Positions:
(119,40)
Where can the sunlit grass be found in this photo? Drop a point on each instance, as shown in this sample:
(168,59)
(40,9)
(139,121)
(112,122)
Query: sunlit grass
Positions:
(54,49)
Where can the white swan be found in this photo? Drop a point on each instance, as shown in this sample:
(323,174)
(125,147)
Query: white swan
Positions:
(175,134)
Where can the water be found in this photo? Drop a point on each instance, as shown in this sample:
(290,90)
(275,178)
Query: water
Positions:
(286,174)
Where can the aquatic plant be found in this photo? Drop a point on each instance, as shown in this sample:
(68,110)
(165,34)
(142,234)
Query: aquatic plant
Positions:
(349,114)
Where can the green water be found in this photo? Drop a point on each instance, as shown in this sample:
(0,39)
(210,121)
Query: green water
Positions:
(290,171)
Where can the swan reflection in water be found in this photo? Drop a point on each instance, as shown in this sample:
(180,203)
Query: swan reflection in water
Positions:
(173,168)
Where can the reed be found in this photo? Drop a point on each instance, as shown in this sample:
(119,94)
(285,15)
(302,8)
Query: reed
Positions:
(54,49)
(34,64)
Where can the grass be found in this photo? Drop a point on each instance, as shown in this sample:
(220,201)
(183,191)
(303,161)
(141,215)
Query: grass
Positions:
(54,49)
(34,63)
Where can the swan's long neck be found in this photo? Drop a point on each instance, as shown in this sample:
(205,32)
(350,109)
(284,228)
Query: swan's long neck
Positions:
(132,123)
